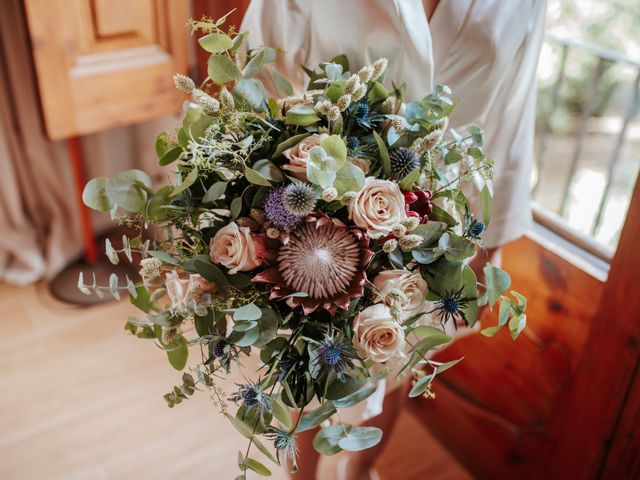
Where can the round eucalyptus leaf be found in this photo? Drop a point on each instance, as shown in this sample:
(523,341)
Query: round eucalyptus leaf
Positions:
(326,441)
(360,438)
(95,195)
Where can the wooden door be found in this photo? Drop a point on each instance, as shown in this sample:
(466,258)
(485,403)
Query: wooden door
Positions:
(105,63)
(563,401)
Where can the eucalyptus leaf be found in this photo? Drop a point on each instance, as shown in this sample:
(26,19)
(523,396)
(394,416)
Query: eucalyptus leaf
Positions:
(355,397)
(247,312)
(459,248)
(215,42)
(485,200)
(170,156)
(221,69)
(268,170)
(95,195)
(497,282)
(281,412)
(301,115)
(236,207)
(214,192)
(257,467)
(385,160)
(178,355)
(282,84)
(420,386)
(211,272)
(326,441)
(165,257)
(288,143)
(412,177)
(111,253)
(360,438)
(316,417)
(255,177)
(252,90)
(189,180)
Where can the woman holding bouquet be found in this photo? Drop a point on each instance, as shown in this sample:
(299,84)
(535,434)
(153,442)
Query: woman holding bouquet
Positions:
(485,51)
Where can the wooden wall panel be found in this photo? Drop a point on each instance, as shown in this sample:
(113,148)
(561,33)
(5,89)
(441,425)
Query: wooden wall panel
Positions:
(493,410)
(102,64)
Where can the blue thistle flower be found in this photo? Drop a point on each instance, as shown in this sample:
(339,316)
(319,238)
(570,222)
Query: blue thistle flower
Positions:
(299,198)
(353,143)
(223,351)
(451,306)
(178,202)
(335,354)
(403,161)
(476,229)
(252,398)
(285,442)
(277,214)
(360,111)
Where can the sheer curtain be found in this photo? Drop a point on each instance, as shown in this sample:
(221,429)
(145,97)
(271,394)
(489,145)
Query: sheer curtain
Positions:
(39,223)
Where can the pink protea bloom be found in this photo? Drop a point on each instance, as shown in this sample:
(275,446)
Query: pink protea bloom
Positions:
(323,258)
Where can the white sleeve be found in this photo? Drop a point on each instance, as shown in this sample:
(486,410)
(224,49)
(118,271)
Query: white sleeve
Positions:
(509,126)
(281,24)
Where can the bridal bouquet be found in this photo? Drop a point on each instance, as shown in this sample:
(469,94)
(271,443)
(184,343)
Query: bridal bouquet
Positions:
(326,232)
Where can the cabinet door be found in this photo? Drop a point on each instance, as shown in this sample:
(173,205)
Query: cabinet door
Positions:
(105,63)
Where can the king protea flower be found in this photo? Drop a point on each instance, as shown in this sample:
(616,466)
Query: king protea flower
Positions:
(323,258)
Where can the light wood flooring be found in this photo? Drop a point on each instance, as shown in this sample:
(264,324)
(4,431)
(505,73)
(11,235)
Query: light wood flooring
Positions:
(82,400)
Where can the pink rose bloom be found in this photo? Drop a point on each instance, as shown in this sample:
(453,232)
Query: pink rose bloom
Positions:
(237,248)
(298,155)
(378,207)
(410,283)
(377,335)
(183,288)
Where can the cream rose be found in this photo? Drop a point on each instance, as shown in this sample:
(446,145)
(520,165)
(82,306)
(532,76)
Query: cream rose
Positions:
(181,289)
(298,155)
(236,248)
(412,285)
(378,207)
(377,335)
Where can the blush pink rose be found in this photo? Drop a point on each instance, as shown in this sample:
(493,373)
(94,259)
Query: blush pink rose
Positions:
(378,207)
(236,248)
(298,155)
(411,284)
(377,335)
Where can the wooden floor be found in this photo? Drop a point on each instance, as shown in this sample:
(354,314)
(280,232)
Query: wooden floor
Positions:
(82,400)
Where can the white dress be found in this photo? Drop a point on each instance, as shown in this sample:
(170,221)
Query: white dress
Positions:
(485,50)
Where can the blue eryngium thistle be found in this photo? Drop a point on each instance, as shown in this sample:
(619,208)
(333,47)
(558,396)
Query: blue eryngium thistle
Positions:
(285,443)
(335,354)
(277,214)
(299,198)
(403,161)
(475,229)
(451,306)
(220,349)
(252,398)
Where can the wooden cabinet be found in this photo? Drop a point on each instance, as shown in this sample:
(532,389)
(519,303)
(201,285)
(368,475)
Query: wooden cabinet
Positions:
(105,63)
